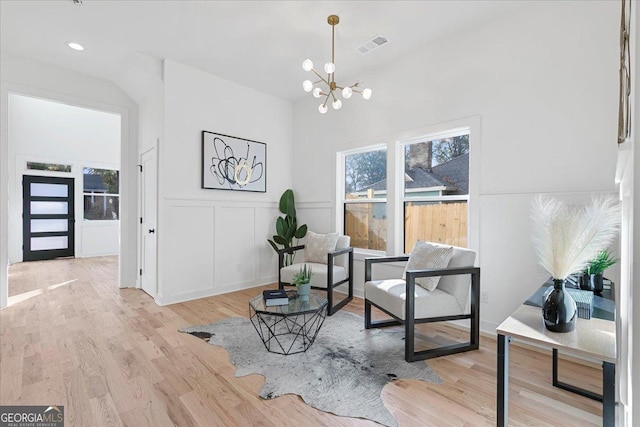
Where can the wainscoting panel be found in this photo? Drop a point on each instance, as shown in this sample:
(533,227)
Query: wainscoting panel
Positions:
(210,247)
(267,265)
(187,235)
(317,215)
(235,251)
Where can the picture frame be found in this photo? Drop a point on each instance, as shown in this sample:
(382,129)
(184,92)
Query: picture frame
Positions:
(232,163)
(624,104)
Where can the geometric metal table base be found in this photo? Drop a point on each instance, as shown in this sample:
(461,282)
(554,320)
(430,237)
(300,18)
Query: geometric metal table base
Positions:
(288,335)
(288,329)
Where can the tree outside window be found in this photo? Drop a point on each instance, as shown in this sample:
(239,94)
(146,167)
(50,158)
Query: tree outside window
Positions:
(365,219)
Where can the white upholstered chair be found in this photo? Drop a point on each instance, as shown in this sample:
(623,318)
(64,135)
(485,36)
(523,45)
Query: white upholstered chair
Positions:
(457,296)
(333,268)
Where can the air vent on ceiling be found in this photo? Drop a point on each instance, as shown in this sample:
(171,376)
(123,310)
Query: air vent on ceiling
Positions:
(372,44)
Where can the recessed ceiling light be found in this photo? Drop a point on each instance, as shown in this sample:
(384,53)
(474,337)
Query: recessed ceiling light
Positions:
(75,46)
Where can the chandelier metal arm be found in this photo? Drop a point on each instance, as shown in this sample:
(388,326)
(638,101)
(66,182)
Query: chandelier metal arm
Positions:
(319,76)
(327,98)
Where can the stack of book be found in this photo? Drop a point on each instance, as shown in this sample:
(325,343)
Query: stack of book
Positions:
(273,297)
(584,301)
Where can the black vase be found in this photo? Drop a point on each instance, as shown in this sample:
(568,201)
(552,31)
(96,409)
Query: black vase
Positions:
(559,309)
(597,285)
(585,282)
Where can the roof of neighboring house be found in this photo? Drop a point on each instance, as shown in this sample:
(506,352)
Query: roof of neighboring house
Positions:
(453,175)
(420,178)
(94,183)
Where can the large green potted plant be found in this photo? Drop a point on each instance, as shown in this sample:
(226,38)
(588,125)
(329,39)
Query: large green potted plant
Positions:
(287,227)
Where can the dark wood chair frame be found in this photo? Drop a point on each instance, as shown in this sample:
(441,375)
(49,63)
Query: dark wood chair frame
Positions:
(410,354)
(331,309)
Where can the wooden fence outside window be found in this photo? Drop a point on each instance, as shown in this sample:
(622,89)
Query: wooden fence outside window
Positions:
(438,222)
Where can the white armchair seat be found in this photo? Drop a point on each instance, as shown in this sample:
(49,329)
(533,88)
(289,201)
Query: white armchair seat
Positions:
(456,297)
(336,271)
(390,295)
(320,276)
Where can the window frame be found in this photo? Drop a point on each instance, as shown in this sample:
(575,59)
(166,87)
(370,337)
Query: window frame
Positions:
(343,201)
(92,193)
(404,199)
(395,181)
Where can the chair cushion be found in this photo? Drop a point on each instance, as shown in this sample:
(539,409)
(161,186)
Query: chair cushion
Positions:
(320,273)
(317,246)
(427,256)
(391,295)
(459,285)
(343,243)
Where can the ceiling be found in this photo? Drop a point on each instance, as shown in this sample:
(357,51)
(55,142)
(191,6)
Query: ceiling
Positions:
(259,44)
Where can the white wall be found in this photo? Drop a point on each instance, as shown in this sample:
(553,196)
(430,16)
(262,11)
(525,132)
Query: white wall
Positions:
(212,241)
(34,78)
(543,82)
(51,132)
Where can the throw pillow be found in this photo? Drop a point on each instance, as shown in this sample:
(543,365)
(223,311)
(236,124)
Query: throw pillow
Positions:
(317,246)
(428,256)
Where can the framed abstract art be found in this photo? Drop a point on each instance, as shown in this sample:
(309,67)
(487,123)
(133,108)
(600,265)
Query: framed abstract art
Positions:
(232,163)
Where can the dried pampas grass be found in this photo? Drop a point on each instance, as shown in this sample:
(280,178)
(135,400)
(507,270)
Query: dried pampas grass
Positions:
(566,237)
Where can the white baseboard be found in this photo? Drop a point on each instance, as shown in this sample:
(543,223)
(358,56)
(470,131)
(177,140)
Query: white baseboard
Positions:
(188,296)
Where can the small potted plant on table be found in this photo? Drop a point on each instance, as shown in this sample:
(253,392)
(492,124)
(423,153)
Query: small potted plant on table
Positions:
(302,280)
(593,273)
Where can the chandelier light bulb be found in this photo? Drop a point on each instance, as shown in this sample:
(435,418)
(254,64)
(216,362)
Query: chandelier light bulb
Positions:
(317,92)
(337,104)
(75,46)
(366,93)
(307,85)
(330,67)
(323,109)
(347,92)
(307,65)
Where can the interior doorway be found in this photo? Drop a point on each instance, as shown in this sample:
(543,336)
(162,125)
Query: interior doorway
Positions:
(48,217)
(63,183)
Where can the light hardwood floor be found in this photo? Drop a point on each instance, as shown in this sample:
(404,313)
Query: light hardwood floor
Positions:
(113,357)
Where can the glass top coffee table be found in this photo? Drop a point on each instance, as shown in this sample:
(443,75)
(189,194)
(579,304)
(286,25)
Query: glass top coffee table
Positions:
(288,329)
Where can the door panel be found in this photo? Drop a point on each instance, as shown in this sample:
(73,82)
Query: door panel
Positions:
(49,208)
(47,243)
(48,225)
(49,190)
(48,221)
(148,222)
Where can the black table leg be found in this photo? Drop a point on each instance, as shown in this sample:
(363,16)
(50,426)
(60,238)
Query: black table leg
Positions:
(503,381)
(608,394)
(569,387)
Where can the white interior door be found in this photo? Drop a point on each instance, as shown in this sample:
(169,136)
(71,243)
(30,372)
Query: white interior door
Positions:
(148,212)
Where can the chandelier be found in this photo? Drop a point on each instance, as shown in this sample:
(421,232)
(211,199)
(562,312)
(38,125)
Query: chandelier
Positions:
(330,82)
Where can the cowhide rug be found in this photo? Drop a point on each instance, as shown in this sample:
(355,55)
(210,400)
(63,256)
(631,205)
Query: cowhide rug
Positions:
(343,372)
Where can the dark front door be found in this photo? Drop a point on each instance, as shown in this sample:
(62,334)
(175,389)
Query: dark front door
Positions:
(48,220)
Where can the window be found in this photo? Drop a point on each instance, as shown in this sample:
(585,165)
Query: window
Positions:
(436,190)
(428,179)
(365,198)
(101,188)
(48,167)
